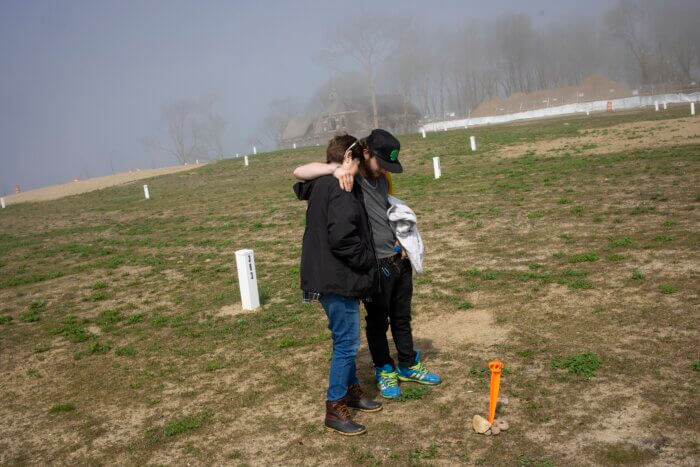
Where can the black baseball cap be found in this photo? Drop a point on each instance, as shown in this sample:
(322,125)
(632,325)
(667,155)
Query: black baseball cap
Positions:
(385,148)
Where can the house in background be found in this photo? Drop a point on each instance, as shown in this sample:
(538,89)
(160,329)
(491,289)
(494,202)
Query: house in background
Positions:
(350,116)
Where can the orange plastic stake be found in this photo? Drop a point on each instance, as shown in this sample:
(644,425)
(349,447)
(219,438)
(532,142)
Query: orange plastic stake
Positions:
(495,368)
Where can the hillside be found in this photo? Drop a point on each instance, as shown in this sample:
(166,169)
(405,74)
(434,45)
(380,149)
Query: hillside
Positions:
(567,248)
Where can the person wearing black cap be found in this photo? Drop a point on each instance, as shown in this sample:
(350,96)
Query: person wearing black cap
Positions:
(391,307)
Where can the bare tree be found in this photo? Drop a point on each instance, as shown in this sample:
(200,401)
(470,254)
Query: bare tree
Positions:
(191,128)
(211,128)
(271,128)
(181,131)
(368,41)
(627,22)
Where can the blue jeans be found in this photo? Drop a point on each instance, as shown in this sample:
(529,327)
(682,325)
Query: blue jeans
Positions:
(344,323)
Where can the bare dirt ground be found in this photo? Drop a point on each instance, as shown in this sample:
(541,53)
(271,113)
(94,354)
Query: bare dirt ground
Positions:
(617,138)
(92,184)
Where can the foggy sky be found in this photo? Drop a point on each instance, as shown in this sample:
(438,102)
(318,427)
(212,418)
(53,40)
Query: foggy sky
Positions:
(82,82)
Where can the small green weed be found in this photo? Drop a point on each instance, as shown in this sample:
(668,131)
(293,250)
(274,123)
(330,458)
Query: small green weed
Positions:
(584,257)
(425,453)
(664,238)
(126,351)
(584,365)
(414,393)
(62,408)
(185,424)
(465,305)
(42,347)
(620,242)
(637,275)
(5,319)
(577,211)
(667,288)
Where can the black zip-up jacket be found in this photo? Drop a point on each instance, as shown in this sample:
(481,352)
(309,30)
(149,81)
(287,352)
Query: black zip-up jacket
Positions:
(337,253)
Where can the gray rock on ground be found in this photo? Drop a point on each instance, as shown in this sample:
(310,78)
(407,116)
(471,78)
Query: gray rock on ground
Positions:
(495,430)
(501,424)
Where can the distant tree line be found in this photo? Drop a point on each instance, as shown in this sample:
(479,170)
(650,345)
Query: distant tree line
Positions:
(451,70)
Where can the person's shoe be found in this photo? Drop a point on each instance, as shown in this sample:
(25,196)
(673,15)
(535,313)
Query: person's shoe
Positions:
(357,399)
(418,373)
(338,418)
(387,381)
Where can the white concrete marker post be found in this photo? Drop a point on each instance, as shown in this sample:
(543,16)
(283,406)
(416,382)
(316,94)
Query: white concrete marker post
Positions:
(665,108)
(422,132)
(472,142)
(692,108)
(436,167)
(2,202)
(245,159)
(247,279)
(295,145)
(656,106)
(145,192)
(255,150)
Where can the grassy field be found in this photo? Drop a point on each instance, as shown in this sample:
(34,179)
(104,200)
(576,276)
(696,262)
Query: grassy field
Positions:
(122,339)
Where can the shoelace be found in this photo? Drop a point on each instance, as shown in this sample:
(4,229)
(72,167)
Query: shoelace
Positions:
(389,379)
(343,410)
(419,367)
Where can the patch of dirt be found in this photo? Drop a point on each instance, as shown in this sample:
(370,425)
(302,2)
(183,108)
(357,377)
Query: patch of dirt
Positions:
(233,310)
(92,184)
(454,330)
(623,137)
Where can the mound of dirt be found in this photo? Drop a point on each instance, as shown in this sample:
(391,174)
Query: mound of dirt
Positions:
(92,184)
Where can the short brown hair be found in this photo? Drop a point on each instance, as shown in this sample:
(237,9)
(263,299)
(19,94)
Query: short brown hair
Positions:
(338,145)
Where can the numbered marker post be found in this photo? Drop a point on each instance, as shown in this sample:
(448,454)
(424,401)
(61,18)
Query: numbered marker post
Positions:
(145,192)
(692,108)
(665,108)
(436,167)
(422,132)
(247,279)
(656,106)
(294,145)
(2,202)
(472,142)
(245,159)
(255,150)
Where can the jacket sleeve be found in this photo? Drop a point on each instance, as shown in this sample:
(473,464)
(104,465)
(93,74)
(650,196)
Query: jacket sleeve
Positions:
(344,231)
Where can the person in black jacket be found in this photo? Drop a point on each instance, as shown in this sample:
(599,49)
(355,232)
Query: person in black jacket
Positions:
(339,268)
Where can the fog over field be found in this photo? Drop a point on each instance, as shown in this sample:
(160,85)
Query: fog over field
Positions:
(90,88)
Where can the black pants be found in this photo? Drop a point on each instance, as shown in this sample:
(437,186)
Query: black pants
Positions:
(392,307)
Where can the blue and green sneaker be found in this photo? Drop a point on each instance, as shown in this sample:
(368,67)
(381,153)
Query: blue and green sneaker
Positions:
(418,373)
(387,381)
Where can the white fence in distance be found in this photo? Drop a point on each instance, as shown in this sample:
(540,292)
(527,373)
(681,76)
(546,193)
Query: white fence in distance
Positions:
(568,109)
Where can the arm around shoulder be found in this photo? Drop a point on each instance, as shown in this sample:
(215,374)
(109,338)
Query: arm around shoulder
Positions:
(314,170)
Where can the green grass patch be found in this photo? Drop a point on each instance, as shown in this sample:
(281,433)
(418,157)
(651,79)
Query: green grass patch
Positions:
(584,365)
(584,257)
(126,351)
(185,424)
(667,289)
(62,408)
(414,392)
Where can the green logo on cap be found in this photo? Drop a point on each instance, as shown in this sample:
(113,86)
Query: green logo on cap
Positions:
(394,155)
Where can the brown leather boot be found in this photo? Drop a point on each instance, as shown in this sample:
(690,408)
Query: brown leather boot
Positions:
(357,399)
(338,418)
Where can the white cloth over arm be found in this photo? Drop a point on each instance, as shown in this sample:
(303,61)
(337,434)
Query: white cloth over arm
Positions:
(403,222)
